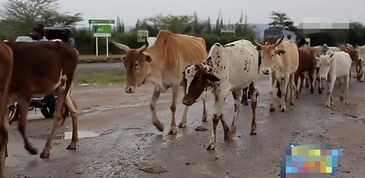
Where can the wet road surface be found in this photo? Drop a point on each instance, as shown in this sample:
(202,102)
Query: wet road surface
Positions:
(121,141)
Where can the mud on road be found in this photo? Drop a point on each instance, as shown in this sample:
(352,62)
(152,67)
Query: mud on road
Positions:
(123,143)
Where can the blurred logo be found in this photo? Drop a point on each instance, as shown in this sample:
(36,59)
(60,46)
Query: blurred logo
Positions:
(309,159)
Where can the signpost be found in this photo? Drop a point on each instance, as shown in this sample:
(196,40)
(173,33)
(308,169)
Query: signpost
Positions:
(102,28)
(142,36)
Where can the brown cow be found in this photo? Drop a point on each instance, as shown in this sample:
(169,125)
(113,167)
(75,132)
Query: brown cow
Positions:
(6,67)
(42,68)
(307,64)
(348,48)
(162,65)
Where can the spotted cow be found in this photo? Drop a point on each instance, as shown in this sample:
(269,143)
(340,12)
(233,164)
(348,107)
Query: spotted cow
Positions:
(228,68)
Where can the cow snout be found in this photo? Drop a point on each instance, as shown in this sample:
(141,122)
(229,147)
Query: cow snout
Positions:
(129,89)
(266,71)
(323,78)
(188,101)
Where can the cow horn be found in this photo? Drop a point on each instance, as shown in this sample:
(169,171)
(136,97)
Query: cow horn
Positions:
(254,41)
(144,47)
(279,41)
(121,46)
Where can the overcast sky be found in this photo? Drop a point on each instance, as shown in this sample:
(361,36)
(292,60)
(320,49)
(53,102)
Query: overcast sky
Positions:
(257,11)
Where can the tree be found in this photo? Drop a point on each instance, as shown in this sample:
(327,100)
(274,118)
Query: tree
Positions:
(19,16)
(119,26)
(208,26)
(283,21)
(177,24)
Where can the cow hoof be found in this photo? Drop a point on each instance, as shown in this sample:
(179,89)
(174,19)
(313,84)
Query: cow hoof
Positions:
(292,103)
(320,92)
(72,147)
(31,150)
(283,109)
(346,103)
(173,131)
(328,105)
(312,90)
(253,132)
(272,109)
(183,125)
(159,126)
(44,155)
(204,119)
(211,147)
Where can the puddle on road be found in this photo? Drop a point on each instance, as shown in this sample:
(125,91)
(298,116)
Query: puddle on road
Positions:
(82,134)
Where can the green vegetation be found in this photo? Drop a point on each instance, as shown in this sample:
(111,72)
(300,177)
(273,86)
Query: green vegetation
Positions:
(99,59)
(104,77)
(19,16)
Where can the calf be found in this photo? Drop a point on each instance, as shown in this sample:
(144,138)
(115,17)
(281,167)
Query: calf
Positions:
(42,68)
(228,68)
(335,65)
(6,67)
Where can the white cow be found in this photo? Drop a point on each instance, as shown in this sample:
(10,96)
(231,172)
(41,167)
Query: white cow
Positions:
(335,65)
(360,67)
(228,68)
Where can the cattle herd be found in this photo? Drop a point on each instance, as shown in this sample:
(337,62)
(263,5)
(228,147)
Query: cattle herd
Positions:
(171,61)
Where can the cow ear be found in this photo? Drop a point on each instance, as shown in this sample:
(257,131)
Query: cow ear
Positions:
(148,58)
(331,55)
(123,58)
(280,52)
(211,77)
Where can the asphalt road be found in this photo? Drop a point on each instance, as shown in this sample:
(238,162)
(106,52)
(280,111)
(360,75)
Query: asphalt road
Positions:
(124,143)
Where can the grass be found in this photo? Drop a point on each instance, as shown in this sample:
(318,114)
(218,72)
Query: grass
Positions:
(104,77)
(98,59)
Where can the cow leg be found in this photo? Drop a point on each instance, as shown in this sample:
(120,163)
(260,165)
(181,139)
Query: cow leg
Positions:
(254,96)
(283,86)
(244,100)
(329,92)
(213,137)
(233,130)
(57,122)
(347,82)
(217,116)
(205,113)
(298,82)
(272,95)
(155,121)
(185,113)
(173,128)
(71,107)
(4,127)
(311,80)
(292,89)
(22,124)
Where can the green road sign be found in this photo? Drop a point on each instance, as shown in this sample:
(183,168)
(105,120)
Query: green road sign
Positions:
(102,30)
(101,21)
